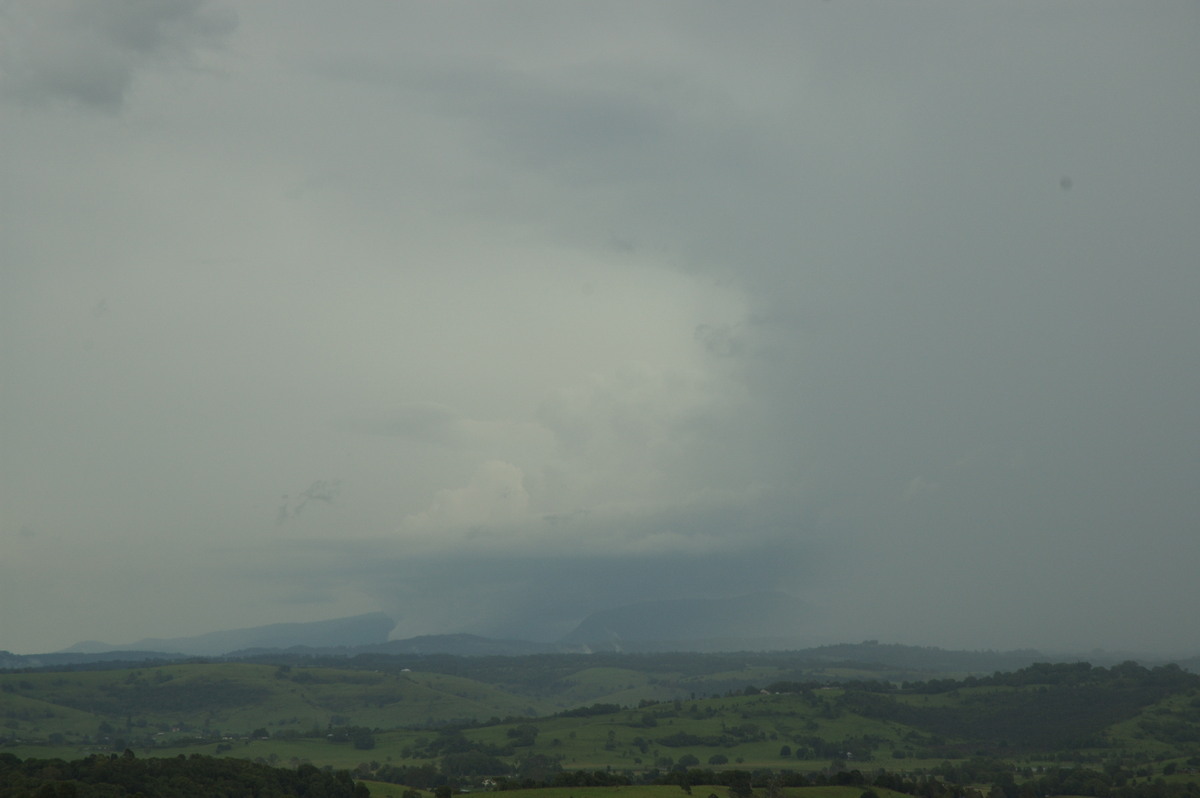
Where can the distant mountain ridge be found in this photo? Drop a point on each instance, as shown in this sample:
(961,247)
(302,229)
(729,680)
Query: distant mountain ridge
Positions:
(755,622)
(748,622)
(358,630)
(455,645)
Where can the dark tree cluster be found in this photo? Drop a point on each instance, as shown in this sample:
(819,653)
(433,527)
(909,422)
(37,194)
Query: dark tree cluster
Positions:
(197,776)
(1045,707)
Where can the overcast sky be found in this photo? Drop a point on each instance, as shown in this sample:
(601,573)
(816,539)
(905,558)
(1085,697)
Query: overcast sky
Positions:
(491,315)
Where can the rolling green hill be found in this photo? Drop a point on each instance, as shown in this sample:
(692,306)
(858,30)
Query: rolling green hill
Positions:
(418,727)
(147,704)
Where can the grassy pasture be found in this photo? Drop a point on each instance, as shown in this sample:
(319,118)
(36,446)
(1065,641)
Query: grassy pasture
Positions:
(238,697)
(606,684)
(763,726)
(380,789)
(163,711)
(1160,728)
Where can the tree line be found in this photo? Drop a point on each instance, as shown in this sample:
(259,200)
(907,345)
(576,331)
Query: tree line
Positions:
(196,776)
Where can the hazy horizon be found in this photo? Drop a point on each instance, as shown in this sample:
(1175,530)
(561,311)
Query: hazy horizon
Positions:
(571,642)
(491,316)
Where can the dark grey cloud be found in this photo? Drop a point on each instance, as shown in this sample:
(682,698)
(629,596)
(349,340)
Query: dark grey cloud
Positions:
(572,569)
(927,307)
(90,53)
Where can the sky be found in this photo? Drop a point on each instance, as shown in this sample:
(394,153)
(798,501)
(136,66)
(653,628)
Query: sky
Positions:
(494,315)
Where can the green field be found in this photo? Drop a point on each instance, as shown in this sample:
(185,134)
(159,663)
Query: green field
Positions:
(237,698)
(381,789)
